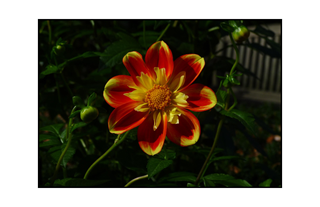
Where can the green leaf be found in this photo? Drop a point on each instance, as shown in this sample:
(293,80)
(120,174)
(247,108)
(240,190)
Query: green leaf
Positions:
(208,183)
(166,154)
(191,185)
(50,69)
(68,155)
(155,165)
(221,97)
(77,125)
(74,114)
(91,54)
(234,183)
(244,117)
(226,27)
(226,82)
(233,23)
(116,51)
(179,176)
(55,128)
(58,41)
(272,52)
(275,46)
(78,182)
(262,31)
(265,183)
(217,176)
(91,99)
(56,151)
(213,28)
(234,80)
(227,180)
(51,142)
(43,137)
(63,135)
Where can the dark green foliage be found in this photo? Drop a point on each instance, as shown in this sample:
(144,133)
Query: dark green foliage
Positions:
(226,180)
(266,183)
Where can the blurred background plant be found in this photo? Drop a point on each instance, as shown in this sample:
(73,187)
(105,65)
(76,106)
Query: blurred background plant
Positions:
(77,58)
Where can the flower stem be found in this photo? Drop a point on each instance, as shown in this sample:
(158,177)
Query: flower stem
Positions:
(164,31)
(135,179)
(65,149)
(234,99)
(116,143)
(205,164)
(237,54)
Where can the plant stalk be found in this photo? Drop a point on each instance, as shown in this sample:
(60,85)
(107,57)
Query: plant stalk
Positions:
(65,149)
(234,99)
(115,144)
(205,164)
(237,54)
(164,31)
(135,179)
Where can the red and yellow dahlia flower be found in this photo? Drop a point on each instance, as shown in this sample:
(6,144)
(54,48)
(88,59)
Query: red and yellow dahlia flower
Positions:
(156,96)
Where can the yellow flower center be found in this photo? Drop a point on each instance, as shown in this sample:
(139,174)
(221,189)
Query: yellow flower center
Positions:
(158,97)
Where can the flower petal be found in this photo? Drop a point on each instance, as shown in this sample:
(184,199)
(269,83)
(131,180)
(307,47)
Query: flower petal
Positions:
(136,95)
(159,55)
(135,65)
(150,140)
(180,99)
(146,83)
(192,64)
(125,117)
(186,132)
(161,77)
(200,97)
(142,107)
(178,81)
(173,114)
(115,89)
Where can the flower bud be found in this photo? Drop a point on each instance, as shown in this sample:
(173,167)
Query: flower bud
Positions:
(59,49)
(240,34)
(89,113)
